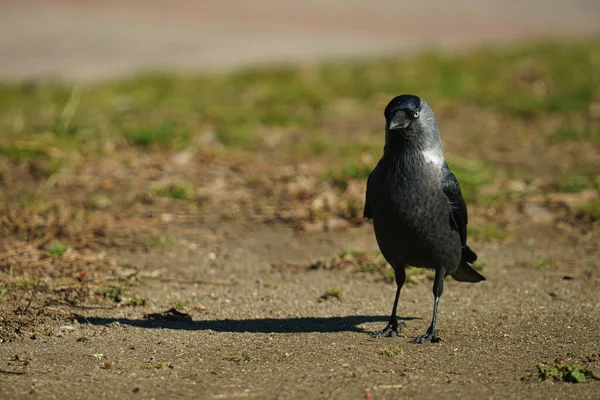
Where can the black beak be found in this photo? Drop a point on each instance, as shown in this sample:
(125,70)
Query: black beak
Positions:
(399,121)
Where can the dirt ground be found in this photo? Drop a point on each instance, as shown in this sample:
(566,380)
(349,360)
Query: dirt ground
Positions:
(493,334)
(251,320)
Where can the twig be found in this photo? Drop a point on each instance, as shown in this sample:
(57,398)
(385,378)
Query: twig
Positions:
(3,371)
(33,292)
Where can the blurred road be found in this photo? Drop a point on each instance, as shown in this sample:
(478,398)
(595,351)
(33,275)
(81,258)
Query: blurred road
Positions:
(83,40)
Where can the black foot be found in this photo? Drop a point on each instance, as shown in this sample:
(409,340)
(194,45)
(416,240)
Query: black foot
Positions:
(391,330)
(430,337)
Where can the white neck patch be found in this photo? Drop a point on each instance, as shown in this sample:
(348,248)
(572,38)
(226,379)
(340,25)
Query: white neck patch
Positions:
(433,156)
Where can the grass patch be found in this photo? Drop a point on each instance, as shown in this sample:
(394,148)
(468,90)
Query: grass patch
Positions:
(114,293)
(389,275)
(589,212)
(57,249)
(177,191)
(167,112)
(179,304)
(99,202)
(332,293)
(160,241)
(542,261)
(122,295)
(164,135)
(575,183)
(576,132)
(366,262)
(16,153)
(417,276)
(269,284)
(488,231)
(155,365)
(390,351)
(572,373)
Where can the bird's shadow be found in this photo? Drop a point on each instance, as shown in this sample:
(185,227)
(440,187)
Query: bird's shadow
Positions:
(259,325)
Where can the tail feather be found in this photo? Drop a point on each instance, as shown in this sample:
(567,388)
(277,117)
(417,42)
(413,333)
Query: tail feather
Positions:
(465,273)
(469,255)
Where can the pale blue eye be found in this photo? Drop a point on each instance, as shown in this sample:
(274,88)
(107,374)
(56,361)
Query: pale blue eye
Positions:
(416,114)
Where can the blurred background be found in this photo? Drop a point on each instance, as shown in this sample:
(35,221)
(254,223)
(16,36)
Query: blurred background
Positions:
(92,40)
(148,146)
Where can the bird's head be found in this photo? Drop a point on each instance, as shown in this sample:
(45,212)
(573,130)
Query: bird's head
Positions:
(409,117)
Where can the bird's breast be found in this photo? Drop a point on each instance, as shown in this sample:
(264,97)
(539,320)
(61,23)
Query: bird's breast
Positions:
(411,221)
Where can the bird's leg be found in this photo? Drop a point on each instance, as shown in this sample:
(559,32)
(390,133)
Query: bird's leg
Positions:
(391,328)
(431,336)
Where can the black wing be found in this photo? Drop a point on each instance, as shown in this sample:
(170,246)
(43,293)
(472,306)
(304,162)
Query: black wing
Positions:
(458,221)
(458,217)
(367,211)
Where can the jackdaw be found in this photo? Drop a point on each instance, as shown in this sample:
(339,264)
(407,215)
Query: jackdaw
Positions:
(418,211)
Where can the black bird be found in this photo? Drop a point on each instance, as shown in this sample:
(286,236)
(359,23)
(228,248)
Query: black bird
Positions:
(418,211)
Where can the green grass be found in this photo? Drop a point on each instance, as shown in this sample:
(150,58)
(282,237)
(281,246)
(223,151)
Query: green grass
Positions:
(176,190)
(307,104)
(391,351)
(115,293)
(542,261)
(269,284)
(164,135)
(122,295)
(416,276)
(367,262)
(160,241)
(572,373)
(57,249)
(332,293)
(576,183)
(590,211)
(155,365)
(99,202)
(179,304)
(16,153)
(573,132)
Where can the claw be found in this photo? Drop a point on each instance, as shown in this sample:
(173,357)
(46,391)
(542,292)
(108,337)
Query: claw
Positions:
(430,337)
(390,330)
